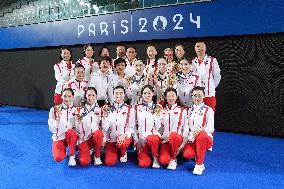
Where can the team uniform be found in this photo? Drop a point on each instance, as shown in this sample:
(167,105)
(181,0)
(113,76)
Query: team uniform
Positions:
(135,87)
(209,72)
(200,116)
(122,82)
(161,85)
(151,70)
(90,133)
(175,132)
(184,86)
(63,133)
(78,88)
(90,66)
(120,120)
(130,68)
(63,73)
(104,83)
(147,134)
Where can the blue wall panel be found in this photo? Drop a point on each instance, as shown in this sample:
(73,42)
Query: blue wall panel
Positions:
(217,18)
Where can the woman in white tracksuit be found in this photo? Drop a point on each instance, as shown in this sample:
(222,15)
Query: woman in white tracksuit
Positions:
(88,62)
(147,134)
(88,128)
(61,124)
(63,73)
(201,124)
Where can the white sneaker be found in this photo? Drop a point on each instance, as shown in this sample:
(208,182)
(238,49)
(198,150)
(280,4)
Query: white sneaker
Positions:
(172,165)
(72,161)
(97,161)
(123,159)
(198,169)
(156,163)
(210,149)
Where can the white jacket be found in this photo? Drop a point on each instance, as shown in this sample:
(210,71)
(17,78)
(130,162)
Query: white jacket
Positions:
(201,116)
(185,85)
(135,88)
(122,82)
(90,66)
(89,123)
(150,71)
(161,85)
(79,88)
(66,121)
(121,120)
(104,85)
(174,120)
(130,68)
(209,72)
(62,75)
(148,122)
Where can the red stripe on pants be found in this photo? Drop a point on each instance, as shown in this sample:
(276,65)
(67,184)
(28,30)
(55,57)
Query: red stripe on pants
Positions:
(169,149)
(112,150)
(59,147)
(84,148)
(211,102)
(152,142)
(201,144)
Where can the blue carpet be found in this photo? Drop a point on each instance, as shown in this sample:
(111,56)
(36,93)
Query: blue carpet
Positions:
(237,161)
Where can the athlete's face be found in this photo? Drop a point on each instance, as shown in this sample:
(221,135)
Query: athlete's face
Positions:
(179,52)
(139,66)
(79,73)
(119,95)
(200,49)
(104,52)
(104,66)
(91,97)
(171,97)
(197,97)
(120,68)
(65,55)
(67,97)
(147,95)
(151,52)
(131,53)
(162,64)
(185,66)
(89,52)
(169,55)
(120,51)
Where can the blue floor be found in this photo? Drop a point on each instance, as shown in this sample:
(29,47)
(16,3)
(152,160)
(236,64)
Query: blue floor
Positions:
(237,161)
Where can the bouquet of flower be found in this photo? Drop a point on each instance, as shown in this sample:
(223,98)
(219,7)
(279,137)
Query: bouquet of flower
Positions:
(79,115)
(129,78)
(107,108)
(172,79)
(57,109)
(157,110)
(175,67)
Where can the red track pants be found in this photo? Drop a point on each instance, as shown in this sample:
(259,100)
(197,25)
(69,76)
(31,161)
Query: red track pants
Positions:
(198,148)
(59,147)
(169,149)
(152,142)
(95,141)
(112,150)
